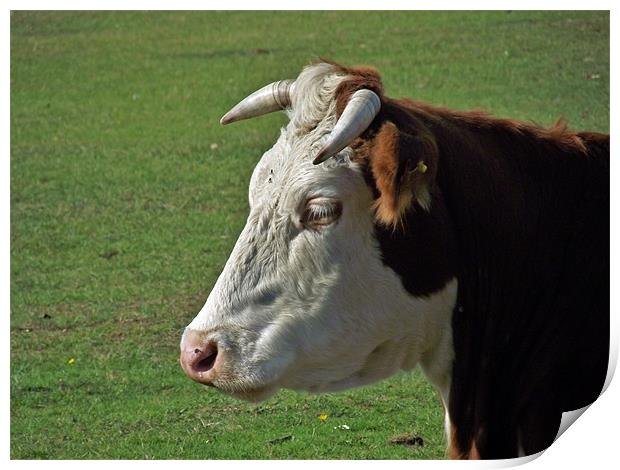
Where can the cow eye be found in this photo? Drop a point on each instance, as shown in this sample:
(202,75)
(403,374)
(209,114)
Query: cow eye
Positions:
(321,212)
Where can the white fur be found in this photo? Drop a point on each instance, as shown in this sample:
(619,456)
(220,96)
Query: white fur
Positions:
(317,310)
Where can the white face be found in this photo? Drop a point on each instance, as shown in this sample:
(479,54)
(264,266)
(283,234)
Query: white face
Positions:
(305,301)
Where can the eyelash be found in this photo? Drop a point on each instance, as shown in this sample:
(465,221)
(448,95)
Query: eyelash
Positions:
(320,214)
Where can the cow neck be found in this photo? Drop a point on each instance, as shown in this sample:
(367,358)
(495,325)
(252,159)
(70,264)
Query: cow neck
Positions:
(522,202)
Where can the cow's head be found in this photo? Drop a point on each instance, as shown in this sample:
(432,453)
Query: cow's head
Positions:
(306,300)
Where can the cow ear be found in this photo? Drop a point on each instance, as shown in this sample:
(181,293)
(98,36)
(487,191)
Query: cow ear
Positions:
(403,167)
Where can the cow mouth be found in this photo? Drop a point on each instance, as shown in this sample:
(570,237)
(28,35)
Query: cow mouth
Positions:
(219,361)
(254,395)
(247,387)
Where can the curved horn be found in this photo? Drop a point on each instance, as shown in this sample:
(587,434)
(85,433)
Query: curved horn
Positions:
(359,112)
(270,98)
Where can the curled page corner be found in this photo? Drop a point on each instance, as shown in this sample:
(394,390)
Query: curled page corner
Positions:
(569,417)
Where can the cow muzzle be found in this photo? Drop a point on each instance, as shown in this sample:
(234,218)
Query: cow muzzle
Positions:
(214,357)
(200,358)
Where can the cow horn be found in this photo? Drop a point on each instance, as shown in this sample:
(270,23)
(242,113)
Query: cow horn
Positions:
(270,98)
(359,112)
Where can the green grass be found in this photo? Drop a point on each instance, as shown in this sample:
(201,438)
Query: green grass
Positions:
(123,211)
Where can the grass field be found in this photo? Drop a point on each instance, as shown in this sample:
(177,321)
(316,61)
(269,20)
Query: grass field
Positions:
(127,196)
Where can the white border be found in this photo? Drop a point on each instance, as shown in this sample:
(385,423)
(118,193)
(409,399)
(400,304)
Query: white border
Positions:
(592,443)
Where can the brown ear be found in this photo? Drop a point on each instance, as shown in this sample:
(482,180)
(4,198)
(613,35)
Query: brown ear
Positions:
(404,168)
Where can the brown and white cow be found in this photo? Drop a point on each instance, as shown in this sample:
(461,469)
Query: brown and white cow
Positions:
(384,234)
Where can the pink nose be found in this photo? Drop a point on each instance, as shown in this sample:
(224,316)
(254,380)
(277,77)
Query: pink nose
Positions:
(199,359)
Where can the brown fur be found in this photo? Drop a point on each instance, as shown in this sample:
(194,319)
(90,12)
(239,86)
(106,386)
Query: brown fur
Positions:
(395,152)
(458,453)
(558,134)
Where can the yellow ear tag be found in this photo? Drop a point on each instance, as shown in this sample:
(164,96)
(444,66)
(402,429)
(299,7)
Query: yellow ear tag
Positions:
(421,167)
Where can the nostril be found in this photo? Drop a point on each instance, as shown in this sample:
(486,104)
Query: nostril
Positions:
(205,358)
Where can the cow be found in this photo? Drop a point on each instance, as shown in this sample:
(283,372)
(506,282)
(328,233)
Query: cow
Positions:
(386,233)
